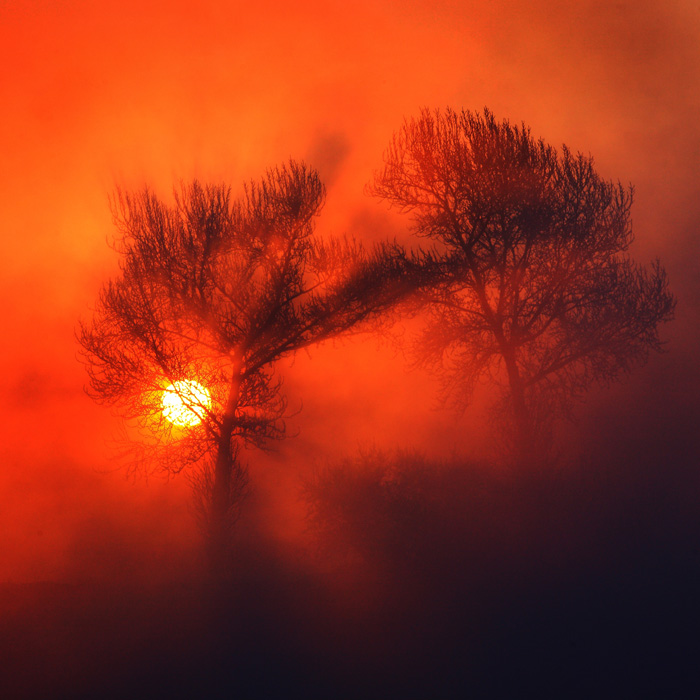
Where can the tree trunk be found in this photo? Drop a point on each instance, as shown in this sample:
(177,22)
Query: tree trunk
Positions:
(524,434)
(221,497)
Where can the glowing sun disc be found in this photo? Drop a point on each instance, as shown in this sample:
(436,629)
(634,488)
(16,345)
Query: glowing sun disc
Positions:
(185,403)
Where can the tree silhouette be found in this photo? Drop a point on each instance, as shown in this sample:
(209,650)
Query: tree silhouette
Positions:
(211,293)
(536,290)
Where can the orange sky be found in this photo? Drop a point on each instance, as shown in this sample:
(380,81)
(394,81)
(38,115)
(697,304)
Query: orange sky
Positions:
(100,93)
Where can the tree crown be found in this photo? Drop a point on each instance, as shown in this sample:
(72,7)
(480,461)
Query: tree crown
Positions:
(216,290)
(535,287)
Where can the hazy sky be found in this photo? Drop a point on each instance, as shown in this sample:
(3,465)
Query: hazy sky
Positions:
(102,93)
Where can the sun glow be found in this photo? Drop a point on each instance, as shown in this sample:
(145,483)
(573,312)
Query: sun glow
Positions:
(185,403)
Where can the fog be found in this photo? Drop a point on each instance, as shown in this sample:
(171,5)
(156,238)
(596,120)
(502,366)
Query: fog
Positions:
(98,95)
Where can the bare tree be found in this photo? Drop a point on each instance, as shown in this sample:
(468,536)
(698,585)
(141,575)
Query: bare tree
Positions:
(537,290)
(212,293)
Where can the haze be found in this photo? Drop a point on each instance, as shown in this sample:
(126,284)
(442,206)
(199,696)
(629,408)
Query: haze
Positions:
(129,93)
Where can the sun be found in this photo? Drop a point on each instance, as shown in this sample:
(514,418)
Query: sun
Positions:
(185,403)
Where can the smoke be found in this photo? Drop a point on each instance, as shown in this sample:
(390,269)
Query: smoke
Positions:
(147,93)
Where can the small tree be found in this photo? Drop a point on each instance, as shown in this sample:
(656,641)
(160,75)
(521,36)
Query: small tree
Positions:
(212,293)
(536,290)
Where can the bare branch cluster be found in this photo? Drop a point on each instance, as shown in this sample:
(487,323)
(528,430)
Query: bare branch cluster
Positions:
(535,289)
(216,290)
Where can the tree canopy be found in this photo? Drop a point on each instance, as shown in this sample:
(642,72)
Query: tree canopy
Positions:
(537,290)
(216,290)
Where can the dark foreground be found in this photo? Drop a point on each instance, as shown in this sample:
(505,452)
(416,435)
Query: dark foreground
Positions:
(560,591)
